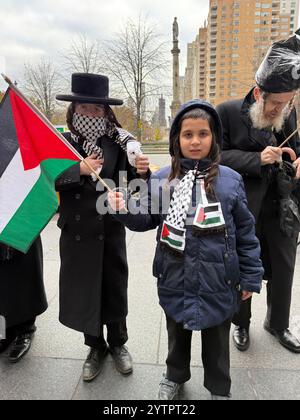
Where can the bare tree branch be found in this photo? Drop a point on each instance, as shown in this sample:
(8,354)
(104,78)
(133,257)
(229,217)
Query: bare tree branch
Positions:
(42,82)
(136,61)
(82,56)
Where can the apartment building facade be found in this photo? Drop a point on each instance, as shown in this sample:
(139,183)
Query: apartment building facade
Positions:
(223,59)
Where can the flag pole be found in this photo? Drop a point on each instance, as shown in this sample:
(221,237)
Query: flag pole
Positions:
(289,137)
(53,129)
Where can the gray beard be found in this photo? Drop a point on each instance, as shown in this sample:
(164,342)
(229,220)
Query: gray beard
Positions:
(260,122)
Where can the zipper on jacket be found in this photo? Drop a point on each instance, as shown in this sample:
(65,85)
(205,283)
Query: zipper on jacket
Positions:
(226,243)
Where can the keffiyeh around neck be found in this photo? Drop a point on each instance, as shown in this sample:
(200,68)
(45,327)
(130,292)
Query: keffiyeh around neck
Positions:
(208,217)
(93,128)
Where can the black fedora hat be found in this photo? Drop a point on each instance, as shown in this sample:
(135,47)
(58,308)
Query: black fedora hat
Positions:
(89,88)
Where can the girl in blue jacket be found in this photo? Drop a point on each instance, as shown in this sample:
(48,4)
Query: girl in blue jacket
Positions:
(207,253)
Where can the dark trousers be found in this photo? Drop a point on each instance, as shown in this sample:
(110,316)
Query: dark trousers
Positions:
(27,327)
(215,356)
(278,255)
(116,336)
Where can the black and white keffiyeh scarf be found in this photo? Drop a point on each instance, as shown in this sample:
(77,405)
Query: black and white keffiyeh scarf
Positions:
(208,218)
(93,128)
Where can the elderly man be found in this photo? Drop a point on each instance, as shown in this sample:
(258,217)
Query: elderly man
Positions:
(254,128)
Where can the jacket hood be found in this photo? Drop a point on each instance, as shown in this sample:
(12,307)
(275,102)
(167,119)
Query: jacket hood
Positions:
(188,106)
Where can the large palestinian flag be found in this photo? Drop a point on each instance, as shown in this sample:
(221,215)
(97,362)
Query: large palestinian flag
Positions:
(32,156)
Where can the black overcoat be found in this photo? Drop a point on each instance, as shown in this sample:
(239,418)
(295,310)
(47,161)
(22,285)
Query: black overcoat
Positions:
(22,292)
(243,144)
(94,272)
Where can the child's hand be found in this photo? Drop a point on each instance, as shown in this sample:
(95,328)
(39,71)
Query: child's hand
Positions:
(116,201)
(246,295)
(94,163)
(142,165)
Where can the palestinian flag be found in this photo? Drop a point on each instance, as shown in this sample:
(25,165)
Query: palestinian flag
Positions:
(209,216)
(172,236)
(32,156)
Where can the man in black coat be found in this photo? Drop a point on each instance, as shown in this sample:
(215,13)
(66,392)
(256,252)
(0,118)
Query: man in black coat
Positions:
(251,148)
(254,128)
(22,297)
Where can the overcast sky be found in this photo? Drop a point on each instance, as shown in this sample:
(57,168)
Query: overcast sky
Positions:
(35,28)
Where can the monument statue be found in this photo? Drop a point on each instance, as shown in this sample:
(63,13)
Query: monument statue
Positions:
(175,30)
(175,52)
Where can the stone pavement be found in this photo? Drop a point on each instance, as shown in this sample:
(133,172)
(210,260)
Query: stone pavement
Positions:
(52,369)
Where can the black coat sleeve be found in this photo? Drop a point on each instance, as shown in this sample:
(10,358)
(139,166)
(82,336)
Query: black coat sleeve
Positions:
(292,125)
(247,244)
(245,162)
(132,173)
(69,179)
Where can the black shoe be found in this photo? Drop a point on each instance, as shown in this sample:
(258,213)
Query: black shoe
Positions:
(285,338)
(93,364)
(168,390)
(4,344)
(122,359)
(220,397)
(20,347)
(241,338)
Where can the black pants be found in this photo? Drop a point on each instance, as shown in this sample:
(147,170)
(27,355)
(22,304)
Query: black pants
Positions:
(27,327)
(278,255)
(116,336)
(215,356)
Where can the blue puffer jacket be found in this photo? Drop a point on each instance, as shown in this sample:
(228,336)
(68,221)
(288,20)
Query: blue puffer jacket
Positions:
(201,288)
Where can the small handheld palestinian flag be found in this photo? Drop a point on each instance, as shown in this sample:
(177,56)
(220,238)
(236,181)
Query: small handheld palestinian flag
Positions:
(32,156)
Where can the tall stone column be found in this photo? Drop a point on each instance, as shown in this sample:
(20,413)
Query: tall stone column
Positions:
(175,52)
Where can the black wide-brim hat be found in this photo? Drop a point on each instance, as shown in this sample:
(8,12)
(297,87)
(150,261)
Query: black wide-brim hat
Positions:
(89,88)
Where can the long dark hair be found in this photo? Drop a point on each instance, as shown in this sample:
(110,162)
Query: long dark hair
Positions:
(71,110)
(214,154)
